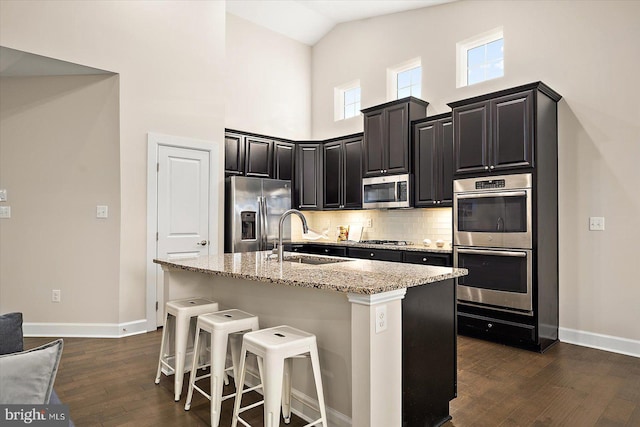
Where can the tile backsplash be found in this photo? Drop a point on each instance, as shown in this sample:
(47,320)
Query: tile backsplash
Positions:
(412,225)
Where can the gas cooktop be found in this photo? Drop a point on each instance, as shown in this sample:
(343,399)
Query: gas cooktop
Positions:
(386,242)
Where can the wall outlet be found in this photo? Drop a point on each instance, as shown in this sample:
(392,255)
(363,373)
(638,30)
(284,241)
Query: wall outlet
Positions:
(596,223)
(5,211)
(55,295)
(381,318)
(102,211)
(367,222)
(3,195)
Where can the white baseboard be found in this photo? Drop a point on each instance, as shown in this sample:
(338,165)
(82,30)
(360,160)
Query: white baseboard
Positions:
(85,330)
(599,341)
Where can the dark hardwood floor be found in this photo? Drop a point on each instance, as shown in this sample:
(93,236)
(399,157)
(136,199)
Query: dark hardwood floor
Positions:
(110,382)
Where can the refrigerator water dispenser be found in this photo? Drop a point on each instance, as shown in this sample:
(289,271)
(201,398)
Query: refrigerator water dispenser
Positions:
(248,219)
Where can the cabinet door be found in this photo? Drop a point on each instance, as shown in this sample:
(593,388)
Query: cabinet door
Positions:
(396,141)
(283,160)
(373,145)
(309,176)
(258,158)
(426,136)
(233,154)
(333,168)
(512,131)
(352,174)
(445,153)
(471,138)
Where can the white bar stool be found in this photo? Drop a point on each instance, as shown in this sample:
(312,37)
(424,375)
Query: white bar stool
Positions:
(275,348)
(220,325)
(178,315)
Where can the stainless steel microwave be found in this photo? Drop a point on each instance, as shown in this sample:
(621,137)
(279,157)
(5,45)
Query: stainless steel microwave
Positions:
(391,191)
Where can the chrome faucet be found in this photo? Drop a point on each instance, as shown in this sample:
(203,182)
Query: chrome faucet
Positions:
(305,228)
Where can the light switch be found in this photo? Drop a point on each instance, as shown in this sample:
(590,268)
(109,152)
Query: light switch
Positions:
(5,211)
(596,223)
(102,211)
(3,195)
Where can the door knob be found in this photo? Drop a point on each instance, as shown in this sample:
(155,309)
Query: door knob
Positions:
(203,243)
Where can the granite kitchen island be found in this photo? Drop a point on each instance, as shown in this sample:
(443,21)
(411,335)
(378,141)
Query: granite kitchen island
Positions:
(385,331)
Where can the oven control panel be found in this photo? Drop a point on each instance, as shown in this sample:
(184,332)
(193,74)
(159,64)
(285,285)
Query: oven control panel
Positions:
(490,184)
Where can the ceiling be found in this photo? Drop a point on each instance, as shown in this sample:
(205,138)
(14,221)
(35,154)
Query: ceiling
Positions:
(15,63)
(309,20)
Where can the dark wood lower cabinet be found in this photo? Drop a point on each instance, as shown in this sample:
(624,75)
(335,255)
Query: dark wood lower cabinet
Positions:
(375,254)
(428,258)
(429,353)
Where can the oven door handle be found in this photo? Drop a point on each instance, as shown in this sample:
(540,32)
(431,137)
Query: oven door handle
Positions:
(486,252)
(500,194)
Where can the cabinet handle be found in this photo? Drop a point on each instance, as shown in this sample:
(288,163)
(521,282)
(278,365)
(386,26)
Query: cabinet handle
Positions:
(491,167)
(424,260)
(371,254)
(438,202)
(486,168)
(489,325)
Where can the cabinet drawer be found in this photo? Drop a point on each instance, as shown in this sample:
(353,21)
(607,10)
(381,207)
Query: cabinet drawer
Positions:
(376,254)
(318,249)
(495,329)
(428,258)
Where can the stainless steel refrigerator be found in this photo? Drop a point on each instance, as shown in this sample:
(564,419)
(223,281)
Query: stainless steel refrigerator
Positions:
(253,207)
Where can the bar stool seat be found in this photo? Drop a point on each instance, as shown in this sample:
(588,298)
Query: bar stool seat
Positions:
(275,348)
(220,326)
(178,315)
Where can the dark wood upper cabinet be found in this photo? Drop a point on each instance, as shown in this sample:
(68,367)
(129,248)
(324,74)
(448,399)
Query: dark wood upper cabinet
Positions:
(343,173)
(386,144)
(233,154)
(333,170)
(471,138)
(433,170)
(353,173)
(258,157)
(374,145)
(512,125)
(308,182)
(283,160)
(496,132)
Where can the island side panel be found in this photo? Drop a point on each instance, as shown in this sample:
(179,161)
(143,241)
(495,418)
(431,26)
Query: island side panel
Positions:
(429,353)
(377,359)
(327,314)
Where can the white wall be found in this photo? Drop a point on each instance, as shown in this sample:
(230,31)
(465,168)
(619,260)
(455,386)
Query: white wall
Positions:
(584,50)
(170,60)
(59,158)
(268,81)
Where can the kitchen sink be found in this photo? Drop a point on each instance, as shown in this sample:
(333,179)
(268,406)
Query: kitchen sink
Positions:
(312,260)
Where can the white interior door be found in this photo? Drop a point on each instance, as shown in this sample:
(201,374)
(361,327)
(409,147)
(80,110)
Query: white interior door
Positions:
(183,208)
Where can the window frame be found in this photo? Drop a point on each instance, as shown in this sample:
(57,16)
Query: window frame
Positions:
(338,99)
(392,77)
(464,46)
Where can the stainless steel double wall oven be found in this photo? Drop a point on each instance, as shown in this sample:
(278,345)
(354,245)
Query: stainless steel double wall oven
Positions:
(493,239)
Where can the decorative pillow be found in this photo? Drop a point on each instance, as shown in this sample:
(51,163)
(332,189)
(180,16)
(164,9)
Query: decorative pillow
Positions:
(11,333)
(27,377)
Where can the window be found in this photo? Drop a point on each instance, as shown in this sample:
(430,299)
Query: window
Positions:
(480,58)
(346,99)
(405,80)
(351,102)
(409,83)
